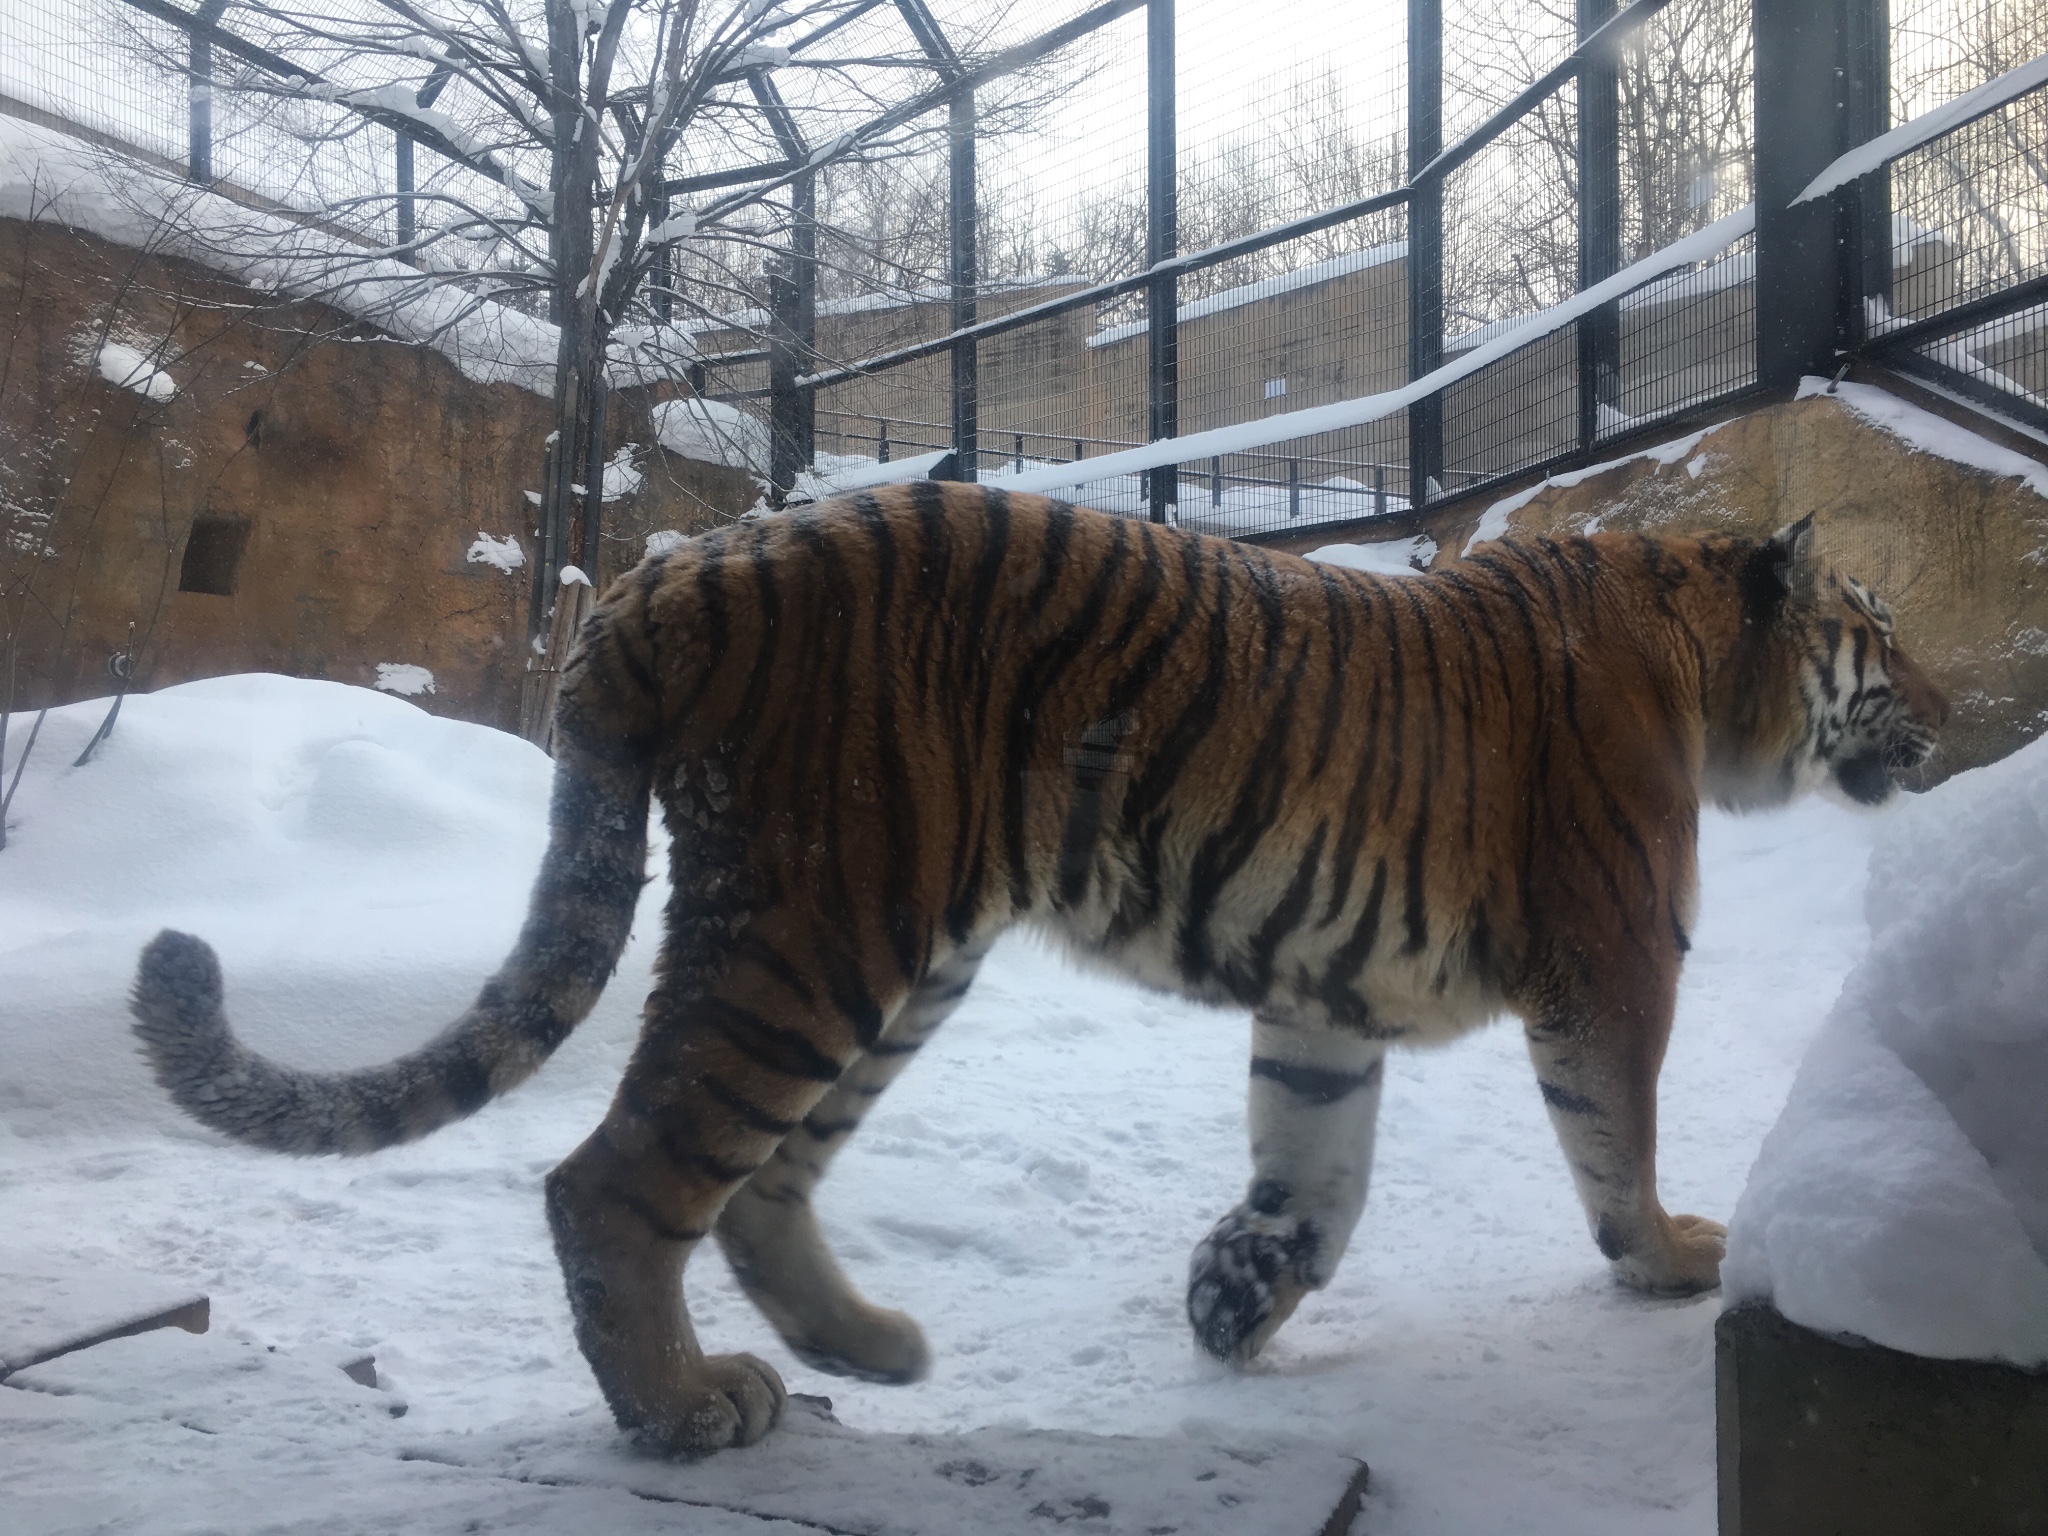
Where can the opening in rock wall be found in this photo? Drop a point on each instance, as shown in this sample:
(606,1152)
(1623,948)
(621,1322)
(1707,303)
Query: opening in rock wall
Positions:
(213,554)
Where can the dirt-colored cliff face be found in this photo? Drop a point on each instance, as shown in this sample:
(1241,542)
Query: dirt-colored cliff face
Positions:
(1960,553)
(271,489)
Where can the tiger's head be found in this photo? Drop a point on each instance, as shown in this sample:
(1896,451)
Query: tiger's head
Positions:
(1820,696)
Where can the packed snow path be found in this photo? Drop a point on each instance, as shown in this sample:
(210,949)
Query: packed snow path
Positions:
(1029,1191)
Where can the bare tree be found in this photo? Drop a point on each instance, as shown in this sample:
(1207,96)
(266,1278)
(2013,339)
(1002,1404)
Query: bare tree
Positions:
(559,141)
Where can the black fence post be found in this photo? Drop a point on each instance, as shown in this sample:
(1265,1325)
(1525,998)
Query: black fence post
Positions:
(1162,239)
(783,426)
(1425,242)
(593,483)
(803,242)
(403,166)
(199,150)
(662,280)
(963,273)
(1599,154)
(1800,92)
(408,215)
(1864,221)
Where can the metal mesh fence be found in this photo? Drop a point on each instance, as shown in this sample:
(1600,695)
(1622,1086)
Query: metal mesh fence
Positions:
(1330,127)
(1970,210)
(54,59)
(1281,121)
(1686,340)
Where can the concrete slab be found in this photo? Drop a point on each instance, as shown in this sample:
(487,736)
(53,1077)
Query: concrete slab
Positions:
(52,1310)
(995,1482)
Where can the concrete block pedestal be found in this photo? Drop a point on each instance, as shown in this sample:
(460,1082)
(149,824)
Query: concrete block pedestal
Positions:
(1828,1436)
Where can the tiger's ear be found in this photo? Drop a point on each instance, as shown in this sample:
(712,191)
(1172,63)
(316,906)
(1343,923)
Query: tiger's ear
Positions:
(1780,567)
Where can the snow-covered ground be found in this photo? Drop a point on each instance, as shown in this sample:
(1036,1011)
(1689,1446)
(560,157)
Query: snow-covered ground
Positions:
(1030,1190)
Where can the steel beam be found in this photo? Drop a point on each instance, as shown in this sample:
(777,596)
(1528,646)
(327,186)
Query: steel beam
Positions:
(964,276)
(1863,228)
(1599,157)
(199,151)
(1425,242)
(1799,128)
(1162,225)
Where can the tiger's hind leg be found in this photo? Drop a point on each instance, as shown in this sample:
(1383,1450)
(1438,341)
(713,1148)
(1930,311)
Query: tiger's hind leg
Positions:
(725,1069)
(1313,1107)
(770,1233)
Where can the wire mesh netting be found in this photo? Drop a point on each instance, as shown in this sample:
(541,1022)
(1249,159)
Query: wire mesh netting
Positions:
(54,59)
(1970,209)
(1329,129)
(1303,113)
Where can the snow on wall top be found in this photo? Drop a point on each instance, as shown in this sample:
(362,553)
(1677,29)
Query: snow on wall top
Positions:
(51,178)
(714,432)
(1265,288)
(1493,522)
(1926,432)
(1903,1194)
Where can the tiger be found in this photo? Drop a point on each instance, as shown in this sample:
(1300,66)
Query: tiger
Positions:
(884,729)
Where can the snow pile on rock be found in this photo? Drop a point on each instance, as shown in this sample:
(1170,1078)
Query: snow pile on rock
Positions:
(404,677)
(127,367)
(1903,1196)
(713,432)
(1387,557)
(504,553)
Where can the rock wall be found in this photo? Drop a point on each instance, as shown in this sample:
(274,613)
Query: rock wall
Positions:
(1959,551)
(259,485)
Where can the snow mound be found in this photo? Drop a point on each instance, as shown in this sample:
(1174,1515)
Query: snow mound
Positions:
(282,820)
(713,432)
(1903,1195)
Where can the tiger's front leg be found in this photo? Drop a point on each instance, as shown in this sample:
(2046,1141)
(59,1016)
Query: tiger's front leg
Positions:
(1313,1104)
(1597,1065)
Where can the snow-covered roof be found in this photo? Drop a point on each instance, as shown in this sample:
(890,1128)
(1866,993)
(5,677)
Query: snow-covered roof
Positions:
(886,299)
(1264,288)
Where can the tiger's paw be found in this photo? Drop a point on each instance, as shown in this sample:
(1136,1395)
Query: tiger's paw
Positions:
(1246,1278)
(880,1345)
(721,1402)
(1686,1261)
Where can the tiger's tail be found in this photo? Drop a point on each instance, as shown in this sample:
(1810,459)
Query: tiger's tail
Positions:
(577,923)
